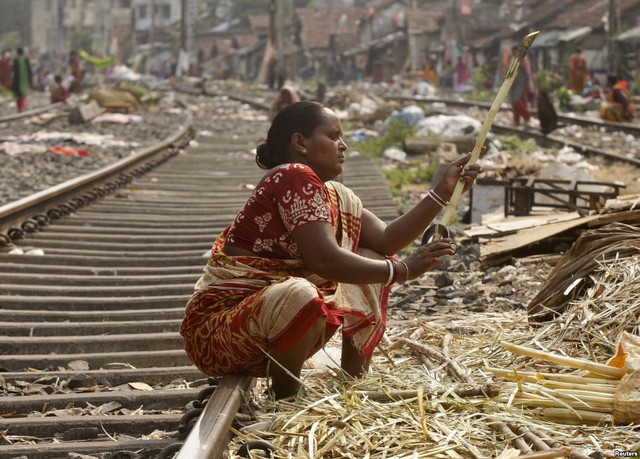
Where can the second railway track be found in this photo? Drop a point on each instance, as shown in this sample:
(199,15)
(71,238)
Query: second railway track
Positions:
(90,305)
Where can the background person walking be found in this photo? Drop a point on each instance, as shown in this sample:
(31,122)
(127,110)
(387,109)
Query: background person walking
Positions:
(523,86)
(21,79)
(577,71)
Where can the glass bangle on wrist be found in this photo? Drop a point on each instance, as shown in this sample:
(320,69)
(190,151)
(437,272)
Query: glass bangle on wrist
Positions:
(437,198)
(391,272)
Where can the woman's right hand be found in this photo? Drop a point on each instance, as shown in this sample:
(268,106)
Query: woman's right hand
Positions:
(427,256)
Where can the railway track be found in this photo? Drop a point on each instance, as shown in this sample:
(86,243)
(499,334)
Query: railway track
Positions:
(95,276)
(57,107)
(551,140)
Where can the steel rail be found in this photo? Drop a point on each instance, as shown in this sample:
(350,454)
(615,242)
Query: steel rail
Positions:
(32,112)
(210,434)
(44,200)
(550,140)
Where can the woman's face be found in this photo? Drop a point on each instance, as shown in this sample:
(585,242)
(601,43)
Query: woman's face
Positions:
(325,149)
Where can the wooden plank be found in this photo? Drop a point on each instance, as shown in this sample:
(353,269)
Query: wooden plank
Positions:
(518,223)
(499,247)
(528,236)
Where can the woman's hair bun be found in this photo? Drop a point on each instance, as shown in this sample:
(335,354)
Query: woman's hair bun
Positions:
(264,156)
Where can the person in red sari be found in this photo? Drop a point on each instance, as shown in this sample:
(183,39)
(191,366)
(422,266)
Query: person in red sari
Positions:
(523,87)
(303,258)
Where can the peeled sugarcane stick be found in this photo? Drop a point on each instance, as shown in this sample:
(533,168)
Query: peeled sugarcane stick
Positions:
(452,366)
(548,454)
(595,407)
(581,364)
(539,376)
(565,415)
(555,443)
(585,395)
(511,437)
(566,387)
(536,442)
(528,388)
(525,44)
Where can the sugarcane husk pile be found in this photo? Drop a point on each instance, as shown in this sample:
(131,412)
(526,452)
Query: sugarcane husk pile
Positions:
(571,275)
(436,398)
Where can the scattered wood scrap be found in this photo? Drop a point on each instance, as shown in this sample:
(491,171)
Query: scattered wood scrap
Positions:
(496,250)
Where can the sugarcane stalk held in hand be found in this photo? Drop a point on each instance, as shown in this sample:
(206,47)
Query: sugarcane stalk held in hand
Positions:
(512,72)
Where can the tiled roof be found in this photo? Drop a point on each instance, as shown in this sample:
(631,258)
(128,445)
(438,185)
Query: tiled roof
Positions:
(319,23)
(538,16)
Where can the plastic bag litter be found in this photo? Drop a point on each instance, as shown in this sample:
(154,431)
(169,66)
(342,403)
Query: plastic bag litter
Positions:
(448,126)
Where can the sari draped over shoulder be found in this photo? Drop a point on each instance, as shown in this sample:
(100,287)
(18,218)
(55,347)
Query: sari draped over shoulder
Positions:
(244,306)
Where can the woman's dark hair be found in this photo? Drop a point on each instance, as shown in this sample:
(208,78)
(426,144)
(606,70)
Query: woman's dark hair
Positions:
(301,117)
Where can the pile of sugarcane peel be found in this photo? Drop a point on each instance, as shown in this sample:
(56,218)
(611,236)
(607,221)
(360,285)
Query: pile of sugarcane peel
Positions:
(482,385)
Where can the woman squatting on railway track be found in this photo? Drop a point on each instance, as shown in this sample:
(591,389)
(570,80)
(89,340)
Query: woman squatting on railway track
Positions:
(303,257)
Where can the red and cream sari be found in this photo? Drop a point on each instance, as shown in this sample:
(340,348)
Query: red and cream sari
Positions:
(244,306)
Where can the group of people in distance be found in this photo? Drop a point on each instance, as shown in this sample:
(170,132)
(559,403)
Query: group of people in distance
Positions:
(16,74)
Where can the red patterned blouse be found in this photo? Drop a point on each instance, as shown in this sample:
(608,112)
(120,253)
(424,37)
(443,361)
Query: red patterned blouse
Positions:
(289,197)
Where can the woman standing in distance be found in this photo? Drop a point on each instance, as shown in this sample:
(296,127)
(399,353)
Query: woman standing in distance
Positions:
(303,258)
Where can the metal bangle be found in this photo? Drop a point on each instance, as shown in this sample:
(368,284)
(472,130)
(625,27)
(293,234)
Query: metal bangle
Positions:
(406,277)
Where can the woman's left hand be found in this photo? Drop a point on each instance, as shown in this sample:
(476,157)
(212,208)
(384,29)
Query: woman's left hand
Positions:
(459,171)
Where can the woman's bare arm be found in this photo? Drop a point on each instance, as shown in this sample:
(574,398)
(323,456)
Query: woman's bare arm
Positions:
(324,257)
(389,239)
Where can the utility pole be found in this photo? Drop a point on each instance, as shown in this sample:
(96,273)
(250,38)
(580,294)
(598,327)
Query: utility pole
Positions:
(184,23)
(152,34)
(187,18)
(612,61)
